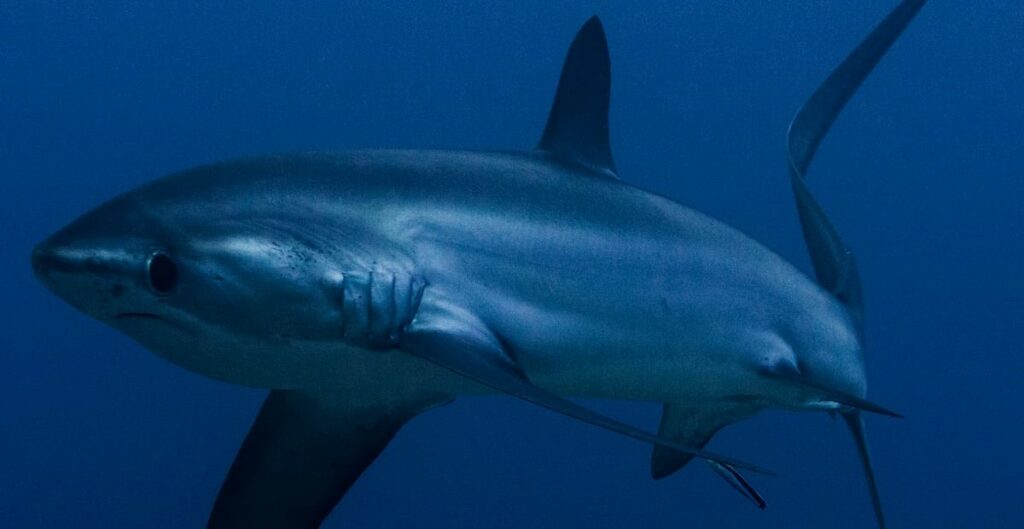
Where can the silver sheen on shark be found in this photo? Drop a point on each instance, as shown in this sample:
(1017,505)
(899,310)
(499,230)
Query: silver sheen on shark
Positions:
(364,288)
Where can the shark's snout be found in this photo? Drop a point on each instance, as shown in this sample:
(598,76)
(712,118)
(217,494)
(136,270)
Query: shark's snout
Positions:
(82,272)
(52,258)
(40,256)
(48,258)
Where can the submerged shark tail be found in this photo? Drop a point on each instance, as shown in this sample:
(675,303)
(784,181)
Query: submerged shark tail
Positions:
(856,424)
(833,261)
(834,265)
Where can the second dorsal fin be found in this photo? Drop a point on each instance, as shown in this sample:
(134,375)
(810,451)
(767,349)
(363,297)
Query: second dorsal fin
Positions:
(577,129)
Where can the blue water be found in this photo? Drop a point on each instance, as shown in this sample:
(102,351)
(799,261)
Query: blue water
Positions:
(923,174)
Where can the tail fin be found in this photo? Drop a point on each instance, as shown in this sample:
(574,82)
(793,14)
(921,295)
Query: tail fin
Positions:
(856,424)
(833,262)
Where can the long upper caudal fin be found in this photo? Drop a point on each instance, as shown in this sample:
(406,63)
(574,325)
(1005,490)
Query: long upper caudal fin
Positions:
(833,262)
(577,129)
(460,343)
(304,452)
(855,423)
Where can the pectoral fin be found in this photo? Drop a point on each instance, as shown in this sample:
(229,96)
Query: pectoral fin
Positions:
(469,349)
(304,452)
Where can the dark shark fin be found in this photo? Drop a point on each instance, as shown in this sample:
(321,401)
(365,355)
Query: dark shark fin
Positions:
(833,262)
(304,452)
(577,129)
(856,424)
(686,426)
(695,427)
(468,348)
(690,426)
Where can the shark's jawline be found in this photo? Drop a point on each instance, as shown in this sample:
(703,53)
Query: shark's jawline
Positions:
(141,315)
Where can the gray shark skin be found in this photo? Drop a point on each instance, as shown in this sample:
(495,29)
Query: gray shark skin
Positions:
(366,287)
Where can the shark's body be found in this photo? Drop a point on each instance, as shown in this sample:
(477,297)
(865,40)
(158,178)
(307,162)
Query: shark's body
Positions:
(597,288)
(366,287)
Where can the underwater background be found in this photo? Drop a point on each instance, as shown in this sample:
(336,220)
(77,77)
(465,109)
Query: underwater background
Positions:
(923,174)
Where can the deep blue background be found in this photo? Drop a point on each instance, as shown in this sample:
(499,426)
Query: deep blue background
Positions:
(923,174)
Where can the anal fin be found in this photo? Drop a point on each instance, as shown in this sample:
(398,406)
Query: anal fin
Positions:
(686,425)
(694,426)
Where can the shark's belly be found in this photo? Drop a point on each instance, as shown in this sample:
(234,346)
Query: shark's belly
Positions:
(637,355)
(599,292)
(632,330)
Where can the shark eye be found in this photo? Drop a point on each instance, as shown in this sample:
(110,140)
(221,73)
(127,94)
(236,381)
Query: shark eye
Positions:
(162,272)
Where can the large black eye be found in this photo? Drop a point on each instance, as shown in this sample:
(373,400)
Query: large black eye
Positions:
(163,274)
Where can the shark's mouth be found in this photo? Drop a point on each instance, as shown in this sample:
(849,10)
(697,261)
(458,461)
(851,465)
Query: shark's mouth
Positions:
(141,315)
(150,317)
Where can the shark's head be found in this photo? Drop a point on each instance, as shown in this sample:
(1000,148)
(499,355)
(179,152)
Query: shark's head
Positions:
(187,284)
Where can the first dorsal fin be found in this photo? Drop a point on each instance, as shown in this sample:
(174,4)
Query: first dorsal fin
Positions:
(577,129)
